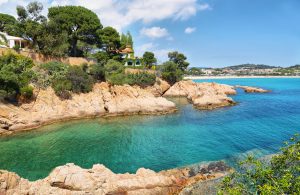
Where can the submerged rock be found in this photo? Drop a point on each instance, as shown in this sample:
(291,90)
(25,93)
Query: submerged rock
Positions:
(71,179)
(205,96)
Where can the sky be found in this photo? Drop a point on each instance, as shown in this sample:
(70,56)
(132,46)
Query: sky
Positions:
(211,33)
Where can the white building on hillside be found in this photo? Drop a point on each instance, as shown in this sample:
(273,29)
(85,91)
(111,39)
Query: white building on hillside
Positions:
(7,41)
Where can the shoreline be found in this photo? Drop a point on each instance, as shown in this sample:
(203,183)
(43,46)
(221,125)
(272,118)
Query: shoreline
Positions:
(235,77)
(32,127)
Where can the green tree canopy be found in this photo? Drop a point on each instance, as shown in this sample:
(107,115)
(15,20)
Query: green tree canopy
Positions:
(149,59)
(8,24)
(110,39)
(126,39)
(179,59)
(171,72)
(31,22)
(78,22)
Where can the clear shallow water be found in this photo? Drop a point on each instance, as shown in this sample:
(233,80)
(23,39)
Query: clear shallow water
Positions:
(258,124)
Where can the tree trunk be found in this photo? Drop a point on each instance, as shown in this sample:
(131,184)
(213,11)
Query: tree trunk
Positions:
(74,48)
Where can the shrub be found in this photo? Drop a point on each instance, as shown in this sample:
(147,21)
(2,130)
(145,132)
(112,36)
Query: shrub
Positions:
(97,72)
(62,88)
(171,72)
(114,72)
(80,80)
(55,68)
(101,57)
(15,73)
(27,92)
(142,79)
(280,176)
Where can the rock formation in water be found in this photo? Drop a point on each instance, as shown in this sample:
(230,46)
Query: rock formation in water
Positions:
(205,96)
(103,100)
(73,180)
(248,89)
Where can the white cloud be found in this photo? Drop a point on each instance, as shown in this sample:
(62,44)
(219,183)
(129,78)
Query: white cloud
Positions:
(121,13)
(154,32)
(190,30)
(204,7)
(162,54)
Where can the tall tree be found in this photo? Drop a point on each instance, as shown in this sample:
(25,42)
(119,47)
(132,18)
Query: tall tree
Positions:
(79,23)
(179,59)
(31,21)
(123,41)
(110,39)
(8,24)
(129,39)
(149,59)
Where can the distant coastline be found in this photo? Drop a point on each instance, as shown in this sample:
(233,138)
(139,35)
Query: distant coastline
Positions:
(236,77)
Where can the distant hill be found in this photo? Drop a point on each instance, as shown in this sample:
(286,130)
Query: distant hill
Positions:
(297,66)
(251,66)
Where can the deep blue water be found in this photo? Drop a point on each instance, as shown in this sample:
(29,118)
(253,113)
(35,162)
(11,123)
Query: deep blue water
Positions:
(258,124)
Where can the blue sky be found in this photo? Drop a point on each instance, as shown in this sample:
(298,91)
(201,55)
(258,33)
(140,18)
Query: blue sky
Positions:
(212,33)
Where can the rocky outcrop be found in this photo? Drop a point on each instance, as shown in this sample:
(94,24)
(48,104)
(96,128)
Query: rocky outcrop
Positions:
(203,95)
(248,89)
(71,179)
(159,88)
(103,100)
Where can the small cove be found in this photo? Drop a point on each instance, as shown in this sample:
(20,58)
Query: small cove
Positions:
(259,123)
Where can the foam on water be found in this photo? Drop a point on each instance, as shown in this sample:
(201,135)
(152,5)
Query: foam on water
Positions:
(259,123)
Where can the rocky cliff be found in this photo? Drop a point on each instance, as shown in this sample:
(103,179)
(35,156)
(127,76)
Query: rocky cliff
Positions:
(73,180)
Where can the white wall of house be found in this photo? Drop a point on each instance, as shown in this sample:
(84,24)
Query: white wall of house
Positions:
(11,43)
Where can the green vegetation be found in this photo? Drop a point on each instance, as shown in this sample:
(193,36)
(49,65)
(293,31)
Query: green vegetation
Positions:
(15,75)
(65,79)
(171,72)
(280,176)
(194,71)
(114,72)
(179,59)
(142,79)
(110,39)
(78,22)
(149,59)
(74,31)
(251,66)
(126,40)
(8,24)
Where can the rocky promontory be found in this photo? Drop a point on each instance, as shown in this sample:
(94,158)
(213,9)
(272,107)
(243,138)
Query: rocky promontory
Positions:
(204,96)
(74,180)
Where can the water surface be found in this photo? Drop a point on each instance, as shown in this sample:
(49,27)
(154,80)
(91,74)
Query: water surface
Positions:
(258,124)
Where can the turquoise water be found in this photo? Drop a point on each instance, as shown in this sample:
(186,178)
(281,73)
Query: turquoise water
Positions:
(258,124)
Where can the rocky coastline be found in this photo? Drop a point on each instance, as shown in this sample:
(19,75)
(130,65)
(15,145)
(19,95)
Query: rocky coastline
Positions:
(107,100)
(74,180)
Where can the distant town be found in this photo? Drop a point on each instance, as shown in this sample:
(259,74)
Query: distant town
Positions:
(246,70)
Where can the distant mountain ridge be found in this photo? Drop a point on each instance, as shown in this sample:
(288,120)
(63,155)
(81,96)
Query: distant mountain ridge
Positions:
(251,66)
(297,66)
